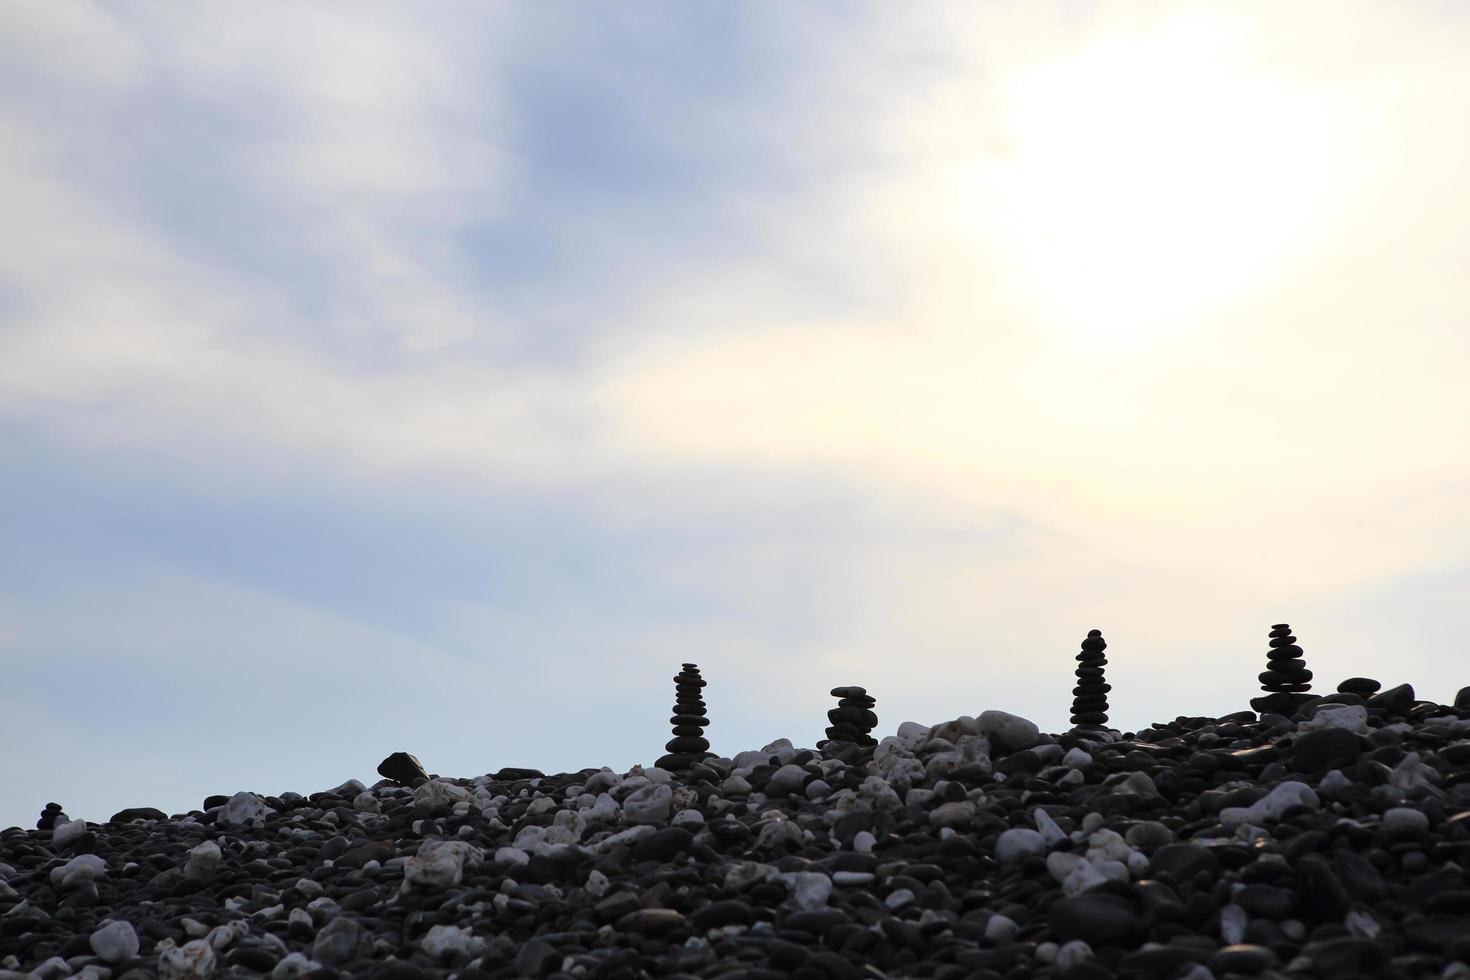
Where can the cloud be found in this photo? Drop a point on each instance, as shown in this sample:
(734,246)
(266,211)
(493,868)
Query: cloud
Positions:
(816,342)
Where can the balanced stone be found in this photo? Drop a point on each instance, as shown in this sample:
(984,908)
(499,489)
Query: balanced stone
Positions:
(853,718)
(689,719)
(1286,679)
(1359,685)
(402,768)
(1090,696)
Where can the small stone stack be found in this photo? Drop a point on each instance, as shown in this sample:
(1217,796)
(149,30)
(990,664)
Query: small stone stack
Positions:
(1286,679)
(49,815)
(853,718)
(688,745)
(1090,696)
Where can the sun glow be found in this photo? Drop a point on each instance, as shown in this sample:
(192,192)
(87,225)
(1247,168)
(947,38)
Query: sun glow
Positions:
(1150,179)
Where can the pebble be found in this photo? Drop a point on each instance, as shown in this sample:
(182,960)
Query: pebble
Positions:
(402,768)
(1403,821)
(1196,847)
(648,804)
(1011,733)
(243,809)
(1019,843)
(203,859)
(114,941)
(195,960)
(65,832)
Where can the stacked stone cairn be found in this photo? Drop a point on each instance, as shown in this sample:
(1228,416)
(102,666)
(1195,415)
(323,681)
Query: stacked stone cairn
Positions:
(1286,679)
(1090,696)
(688,745)
(853,718)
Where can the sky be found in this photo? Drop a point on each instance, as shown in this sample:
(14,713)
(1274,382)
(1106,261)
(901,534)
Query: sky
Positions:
(379,377)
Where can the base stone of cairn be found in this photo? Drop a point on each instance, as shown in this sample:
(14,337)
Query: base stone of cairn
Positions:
(1090,696)
(1286,679)
(853,718)
(688,746)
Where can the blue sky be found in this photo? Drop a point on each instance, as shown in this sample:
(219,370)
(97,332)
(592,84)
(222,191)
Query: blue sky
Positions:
(376,379)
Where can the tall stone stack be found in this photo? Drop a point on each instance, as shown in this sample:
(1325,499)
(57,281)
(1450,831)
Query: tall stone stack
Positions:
(1286,679)
(853,718)
(1090,696)
(688,745)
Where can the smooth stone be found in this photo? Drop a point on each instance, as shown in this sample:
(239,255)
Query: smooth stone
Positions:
(651,922)
(1326,748)
(663,845)
(341,940)
(1405,821)
(729,912)
(402,768)
(1396,700)
(1462,699)
(1242,958)
(1359,685)
(1095,917)
(1184,861)
(786,781)
(1019,843)
(115,941)
(1008,731)
(513,774)
(447,942)
(65,832)
(1352,717)
(203,859)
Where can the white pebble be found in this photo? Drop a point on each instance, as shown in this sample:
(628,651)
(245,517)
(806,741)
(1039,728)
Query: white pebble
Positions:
(1071,953)
(1000,929)
(192,961)
(203,859)
(1019,843)
(115,941)
(63,833)
(1405,820)
(293,965)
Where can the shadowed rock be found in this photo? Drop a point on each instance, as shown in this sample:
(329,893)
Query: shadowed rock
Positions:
(402,768)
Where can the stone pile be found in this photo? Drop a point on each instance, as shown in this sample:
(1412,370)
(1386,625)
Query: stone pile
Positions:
(853,718)
(690,718)
(1090,696)
(1286,679)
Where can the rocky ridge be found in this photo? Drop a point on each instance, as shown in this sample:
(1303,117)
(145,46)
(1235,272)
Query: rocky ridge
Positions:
(1330,843)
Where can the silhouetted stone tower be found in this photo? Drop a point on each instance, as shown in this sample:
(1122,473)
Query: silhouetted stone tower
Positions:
(1090,696)
(1286,679)
(853,718)
(688,745)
